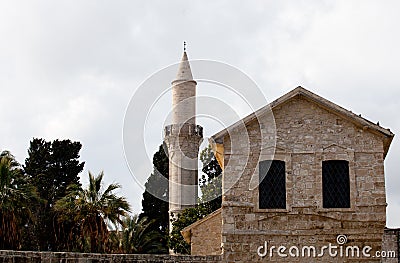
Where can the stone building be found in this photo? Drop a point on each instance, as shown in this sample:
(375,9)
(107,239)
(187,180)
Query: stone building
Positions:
(299,174)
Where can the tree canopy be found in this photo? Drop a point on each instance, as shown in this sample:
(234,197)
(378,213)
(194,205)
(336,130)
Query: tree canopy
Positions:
(139,236)
(210,181)
(90,209)
(16,197)
(51,167)
(43,205)
(154,208)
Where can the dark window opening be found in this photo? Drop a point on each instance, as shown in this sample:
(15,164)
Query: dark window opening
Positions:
(336,184)
(272,187)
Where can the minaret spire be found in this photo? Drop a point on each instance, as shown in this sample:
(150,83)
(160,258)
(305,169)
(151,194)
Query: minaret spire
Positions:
(184,72)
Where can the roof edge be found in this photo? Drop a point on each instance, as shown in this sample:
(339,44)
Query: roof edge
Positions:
(186,232)
(300,91)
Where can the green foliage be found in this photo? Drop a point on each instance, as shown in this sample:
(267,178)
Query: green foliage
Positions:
(139,238)
(51,167)
(211,181)
(61,215)
(206,155)
(154,208)
(44,207)
(212,194)
(90,210)
(186,218)
(16,195)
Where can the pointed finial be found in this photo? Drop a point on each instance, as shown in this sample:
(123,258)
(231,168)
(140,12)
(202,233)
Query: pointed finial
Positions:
(184,71)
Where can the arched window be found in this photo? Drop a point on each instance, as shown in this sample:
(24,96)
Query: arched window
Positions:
(272,187)
(336,184)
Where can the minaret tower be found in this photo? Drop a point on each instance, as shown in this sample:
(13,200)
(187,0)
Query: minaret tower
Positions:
(183,138)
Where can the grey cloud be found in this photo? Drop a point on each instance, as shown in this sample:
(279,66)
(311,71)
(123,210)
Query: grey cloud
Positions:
(68,68)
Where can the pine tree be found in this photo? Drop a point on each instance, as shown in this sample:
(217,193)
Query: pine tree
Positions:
(52,167)
(154,208)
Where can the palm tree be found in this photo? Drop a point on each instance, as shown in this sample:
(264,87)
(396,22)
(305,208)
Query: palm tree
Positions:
(16,197)
(138,237)
(92,209)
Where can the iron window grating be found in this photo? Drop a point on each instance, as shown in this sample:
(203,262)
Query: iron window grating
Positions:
(336,184)
(272,187)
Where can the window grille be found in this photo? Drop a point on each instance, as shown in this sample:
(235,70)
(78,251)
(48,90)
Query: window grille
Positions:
(336,184)
(272,187)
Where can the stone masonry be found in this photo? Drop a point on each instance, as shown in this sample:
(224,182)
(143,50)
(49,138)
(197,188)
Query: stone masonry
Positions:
(71,257)
(301,130)
(391,243)
(308,130)
(205,235)
(183,138)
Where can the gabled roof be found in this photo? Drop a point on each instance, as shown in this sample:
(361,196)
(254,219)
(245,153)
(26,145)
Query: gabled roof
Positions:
(386,134)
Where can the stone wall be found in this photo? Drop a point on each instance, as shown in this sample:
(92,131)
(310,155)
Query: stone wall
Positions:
(69,257)
(391,243)
(204,235)
(183,142)
(306,134)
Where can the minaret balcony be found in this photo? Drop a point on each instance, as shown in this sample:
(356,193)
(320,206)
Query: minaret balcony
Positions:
(185,129)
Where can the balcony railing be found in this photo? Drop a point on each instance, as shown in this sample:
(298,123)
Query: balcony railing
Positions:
(183,130)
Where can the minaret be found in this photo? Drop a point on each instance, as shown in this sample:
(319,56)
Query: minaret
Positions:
(183,138)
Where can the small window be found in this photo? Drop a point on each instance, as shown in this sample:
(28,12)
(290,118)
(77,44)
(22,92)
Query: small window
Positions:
(272,188)
(336,184)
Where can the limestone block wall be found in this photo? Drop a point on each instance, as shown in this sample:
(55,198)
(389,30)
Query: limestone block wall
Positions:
(306,134)
(184,102)
(183,142)
(205,235)
(7,256)
(391,242)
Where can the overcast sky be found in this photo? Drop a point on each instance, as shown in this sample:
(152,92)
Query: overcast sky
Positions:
(69,68)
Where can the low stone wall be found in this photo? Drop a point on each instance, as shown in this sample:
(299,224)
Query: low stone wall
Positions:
(391,242)
(7,256)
